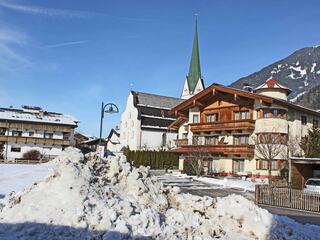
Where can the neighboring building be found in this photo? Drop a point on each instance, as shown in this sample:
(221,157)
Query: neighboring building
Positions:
(145,120)
(22,130)
(113,141)
(144,123)
(221,121)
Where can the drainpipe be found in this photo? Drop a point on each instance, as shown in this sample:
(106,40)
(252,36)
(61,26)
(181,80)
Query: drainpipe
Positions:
(289,159)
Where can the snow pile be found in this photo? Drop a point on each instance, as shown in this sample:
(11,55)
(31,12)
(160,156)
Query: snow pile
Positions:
(111,200)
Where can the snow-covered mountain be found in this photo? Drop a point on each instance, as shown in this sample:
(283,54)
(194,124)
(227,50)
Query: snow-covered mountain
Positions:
(311,99)
(300,72)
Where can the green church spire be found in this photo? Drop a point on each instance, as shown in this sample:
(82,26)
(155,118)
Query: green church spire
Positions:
(194,69)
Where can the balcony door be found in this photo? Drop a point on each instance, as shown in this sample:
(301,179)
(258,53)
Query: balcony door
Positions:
(238,166)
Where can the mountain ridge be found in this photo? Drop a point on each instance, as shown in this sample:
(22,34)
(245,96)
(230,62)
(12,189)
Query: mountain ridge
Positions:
(300,71)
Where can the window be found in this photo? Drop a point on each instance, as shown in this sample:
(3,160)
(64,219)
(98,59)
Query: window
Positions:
(48,135)
(304,120)
(315,123)
(66,136)
(245,115)
(274,113)
(241,115)
(266,113)
(211,140)
(2,131)
(195,118)
(15,149)
(237,116)
(282,114)
(241,139)
(264,165)
(184,135)
(16,133)
(31,134)
(212,117)
(164,139)
(274,165)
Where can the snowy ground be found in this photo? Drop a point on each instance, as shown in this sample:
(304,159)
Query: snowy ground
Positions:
(104,200)
(209,182)
(15,177)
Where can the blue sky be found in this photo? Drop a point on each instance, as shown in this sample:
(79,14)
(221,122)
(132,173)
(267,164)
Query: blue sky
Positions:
(68,56)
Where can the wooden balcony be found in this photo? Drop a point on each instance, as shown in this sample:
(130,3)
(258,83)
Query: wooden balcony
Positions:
(220,149)
(247,124)
(44,141)
(181,142)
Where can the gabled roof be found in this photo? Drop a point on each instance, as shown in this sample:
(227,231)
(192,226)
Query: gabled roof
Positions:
(273,84)
(153,100)
(210,91)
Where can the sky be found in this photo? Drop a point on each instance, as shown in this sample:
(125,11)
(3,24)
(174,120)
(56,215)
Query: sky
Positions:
(70,55)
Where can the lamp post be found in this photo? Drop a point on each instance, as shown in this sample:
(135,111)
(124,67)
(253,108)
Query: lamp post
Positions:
(112,108)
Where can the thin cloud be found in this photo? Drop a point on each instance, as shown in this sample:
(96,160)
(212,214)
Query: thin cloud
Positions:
(11,43)
(65,44)
(38,10)
(54,12)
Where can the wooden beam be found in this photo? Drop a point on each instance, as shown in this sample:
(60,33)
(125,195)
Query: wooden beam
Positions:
(235,97)
(198,103)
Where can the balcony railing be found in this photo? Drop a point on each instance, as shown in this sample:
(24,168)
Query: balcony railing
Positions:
(224,149)
(222,126)
(34,140)
(181,142)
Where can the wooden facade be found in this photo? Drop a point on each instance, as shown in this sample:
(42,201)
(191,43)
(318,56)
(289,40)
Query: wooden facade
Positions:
(35,140)
(36,126)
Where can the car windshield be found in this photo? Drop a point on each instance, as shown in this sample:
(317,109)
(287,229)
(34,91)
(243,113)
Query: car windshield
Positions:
(313,183)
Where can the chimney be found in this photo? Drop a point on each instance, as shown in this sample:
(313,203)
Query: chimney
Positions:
(247,87)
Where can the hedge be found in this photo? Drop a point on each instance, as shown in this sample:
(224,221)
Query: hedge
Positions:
(154,159)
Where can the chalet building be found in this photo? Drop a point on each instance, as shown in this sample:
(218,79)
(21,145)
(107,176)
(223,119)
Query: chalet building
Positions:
(145,120)
(29,128)
(222,122)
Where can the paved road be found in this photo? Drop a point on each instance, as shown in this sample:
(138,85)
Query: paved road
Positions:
(188,185)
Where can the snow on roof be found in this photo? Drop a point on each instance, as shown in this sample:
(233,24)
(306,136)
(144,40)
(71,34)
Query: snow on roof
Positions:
(38,116)
(273,84)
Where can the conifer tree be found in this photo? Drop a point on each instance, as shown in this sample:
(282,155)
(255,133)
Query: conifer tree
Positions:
(310,144)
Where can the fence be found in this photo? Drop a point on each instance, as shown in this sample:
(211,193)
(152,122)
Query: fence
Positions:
(23,161)
(287,197)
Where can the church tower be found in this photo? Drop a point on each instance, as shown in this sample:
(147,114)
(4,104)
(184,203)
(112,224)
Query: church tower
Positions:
(194,82)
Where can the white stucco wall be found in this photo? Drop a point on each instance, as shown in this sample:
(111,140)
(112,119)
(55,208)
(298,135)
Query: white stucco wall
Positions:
(130,126)
(152,140)
(47,150)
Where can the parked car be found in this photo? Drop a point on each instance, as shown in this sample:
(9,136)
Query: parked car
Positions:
(312,185)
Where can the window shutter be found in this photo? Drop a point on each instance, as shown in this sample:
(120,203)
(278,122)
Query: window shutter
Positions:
(258,163)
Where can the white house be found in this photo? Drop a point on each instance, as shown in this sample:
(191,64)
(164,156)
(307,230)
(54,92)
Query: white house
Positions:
(145,120)
(32,128)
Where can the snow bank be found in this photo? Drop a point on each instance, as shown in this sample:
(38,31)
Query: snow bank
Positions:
(112,200)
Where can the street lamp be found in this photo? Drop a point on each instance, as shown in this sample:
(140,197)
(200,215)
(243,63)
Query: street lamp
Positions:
(112,108)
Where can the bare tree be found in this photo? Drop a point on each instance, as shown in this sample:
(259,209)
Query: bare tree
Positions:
(196,159)
(268,146)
